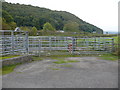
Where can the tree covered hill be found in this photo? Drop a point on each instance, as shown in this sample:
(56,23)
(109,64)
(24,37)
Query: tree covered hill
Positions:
(33,16)
(2,0)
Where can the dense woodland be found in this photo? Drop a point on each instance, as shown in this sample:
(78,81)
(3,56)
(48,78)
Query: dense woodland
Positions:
(35,18)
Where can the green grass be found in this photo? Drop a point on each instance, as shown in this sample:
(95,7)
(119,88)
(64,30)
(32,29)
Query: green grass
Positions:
(8,69)
(61,61)
(35,58)
(72,61)
(0,71)
(9,56)
(109,57)
(65,65)
(54,68)
(115,39)
(62,56)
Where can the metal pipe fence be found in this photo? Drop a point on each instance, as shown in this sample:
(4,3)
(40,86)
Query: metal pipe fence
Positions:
(12,42)
(42,45)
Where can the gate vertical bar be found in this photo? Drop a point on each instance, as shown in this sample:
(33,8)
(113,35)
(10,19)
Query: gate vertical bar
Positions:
(12,37)
(104,44)
(112,45)
(98,44)
(95,44)
(27,43)
(39,42)
(3,42)
(50,43)
(73,44)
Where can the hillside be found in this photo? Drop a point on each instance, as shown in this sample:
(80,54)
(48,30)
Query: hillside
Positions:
(2,0)
(27,15)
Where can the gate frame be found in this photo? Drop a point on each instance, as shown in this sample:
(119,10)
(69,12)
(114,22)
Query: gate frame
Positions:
(74,42)
(12,35)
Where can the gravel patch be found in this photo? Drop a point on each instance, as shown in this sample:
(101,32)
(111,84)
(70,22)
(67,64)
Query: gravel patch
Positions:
(89,72)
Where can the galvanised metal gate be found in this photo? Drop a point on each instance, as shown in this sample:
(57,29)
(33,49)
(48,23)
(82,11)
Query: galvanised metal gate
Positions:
(53,45)
(13,42)
(94,45)
(18,42)
(49,45)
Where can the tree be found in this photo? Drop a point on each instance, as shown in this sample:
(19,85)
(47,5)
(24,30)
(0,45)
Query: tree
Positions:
(34,31)
(71,27)
(12,25)
(25,29)
(48,27)
(5,26)
(7,21)
(27,15)
(7,16)
(2,0)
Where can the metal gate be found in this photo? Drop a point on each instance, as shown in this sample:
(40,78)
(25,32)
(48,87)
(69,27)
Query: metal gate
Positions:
(13,42)
(18,42)
(49,45)
(53,45)
(96,45)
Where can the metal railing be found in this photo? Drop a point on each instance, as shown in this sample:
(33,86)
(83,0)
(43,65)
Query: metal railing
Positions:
(69,45)
(13,42)
(19,42)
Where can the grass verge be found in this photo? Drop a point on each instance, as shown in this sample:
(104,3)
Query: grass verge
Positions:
(54,68)
(36,58)
(65,61)
(8,69)
(62,56)
(109,57)
(9,56)
(65,65)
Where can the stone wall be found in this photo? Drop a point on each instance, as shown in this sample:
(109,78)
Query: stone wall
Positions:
(16,60)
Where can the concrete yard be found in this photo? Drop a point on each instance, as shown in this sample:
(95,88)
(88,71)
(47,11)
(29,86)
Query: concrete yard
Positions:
(90,72)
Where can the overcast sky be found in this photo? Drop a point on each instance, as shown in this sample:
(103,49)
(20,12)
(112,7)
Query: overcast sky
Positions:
(102,13)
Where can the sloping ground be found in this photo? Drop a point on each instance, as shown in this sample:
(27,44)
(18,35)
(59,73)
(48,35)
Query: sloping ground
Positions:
(85,72)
